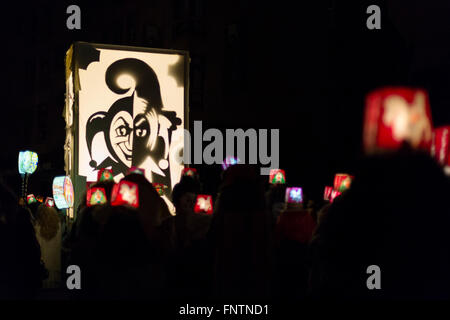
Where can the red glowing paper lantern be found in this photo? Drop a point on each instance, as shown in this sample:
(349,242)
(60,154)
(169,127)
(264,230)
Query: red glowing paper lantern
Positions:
(159,187)
(327,193)
(334,195)
(342,181)
(190,172)
(49,202)
(440,148)
(105,175)
(277,176)
(136,170)
(297,225)
(125,193)
(95,196)
(204,204)
(31,199)
(394,116)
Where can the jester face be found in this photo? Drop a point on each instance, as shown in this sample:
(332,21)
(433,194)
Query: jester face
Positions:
(136,128)
(129,129)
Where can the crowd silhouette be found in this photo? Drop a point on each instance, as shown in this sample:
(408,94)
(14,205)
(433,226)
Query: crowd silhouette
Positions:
(254,246)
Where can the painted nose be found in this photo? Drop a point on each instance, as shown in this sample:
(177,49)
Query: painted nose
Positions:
(129,142)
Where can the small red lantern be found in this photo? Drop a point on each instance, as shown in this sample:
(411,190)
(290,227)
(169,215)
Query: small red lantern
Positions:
(277,176)
(49,202)
(31,199)
(394,116)
(136,170)
(342,181)
(440,148)
(159,187)
(334,195)
(125,193)
(105,175)
(204,204)
(327,193)
(190,172)
(96,196)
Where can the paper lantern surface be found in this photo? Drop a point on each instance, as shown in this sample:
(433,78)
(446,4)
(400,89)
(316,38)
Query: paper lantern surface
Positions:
(105,175)
(342,181)
(96,196)
(394,116)
(204,204)
(125,193)
(49,202)
(160,188)
(440,148)
(327,193)
(63,192)
(334,195)
(190,172)
(294,195)
(28,162)
(277,176)
(229,161)
(31,199)
(130,111)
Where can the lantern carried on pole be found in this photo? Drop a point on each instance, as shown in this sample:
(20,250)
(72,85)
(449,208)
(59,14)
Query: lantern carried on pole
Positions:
(28,161)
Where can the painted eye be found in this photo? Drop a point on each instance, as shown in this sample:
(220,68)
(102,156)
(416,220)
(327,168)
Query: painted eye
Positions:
(122,131)
(141,132)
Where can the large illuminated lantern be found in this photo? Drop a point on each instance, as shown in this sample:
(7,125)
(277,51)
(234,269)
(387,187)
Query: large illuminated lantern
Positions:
(63,193)
(125,107)
(394,116)
(28,162)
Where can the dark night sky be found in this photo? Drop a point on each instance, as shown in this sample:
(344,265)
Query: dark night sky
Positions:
(303,68)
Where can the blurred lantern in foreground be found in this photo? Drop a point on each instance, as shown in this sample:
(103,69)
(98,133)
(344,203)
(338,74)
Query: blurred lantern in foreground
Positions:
(49,202)
(63,192)
(31,199)
(440,148)
(160,188)
(28,162)
(136,170)
(204,204)
(96,196)
(105,175)
(342,181)
(125,193)
(327,193)
(190,172)
(294,195)
(334,194)
(296,224)
(394,116)
(277,176)
(229,161)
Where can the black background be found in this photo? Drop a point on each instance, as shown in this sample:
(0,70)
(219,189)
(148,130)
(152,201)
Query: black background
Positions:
(302,67)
